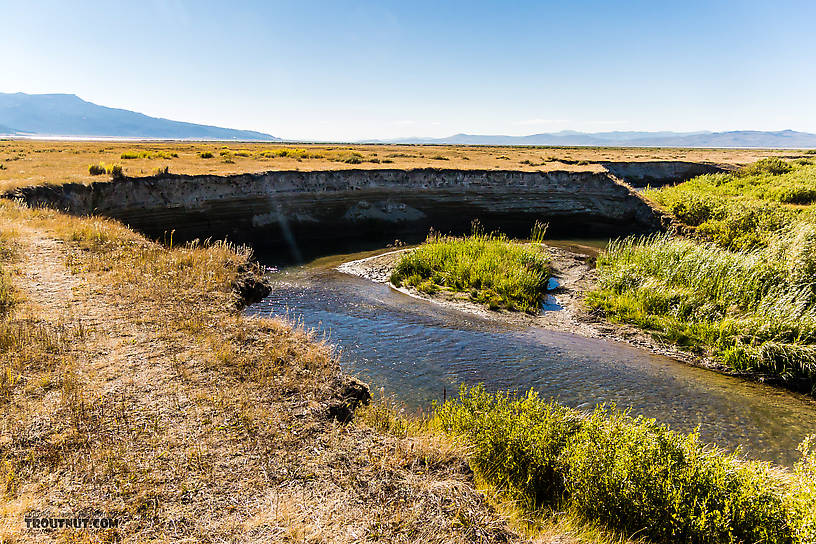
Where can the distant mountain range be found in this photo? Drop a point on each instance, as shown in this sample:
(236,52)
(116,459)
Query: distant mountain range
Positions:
(737,138)
(68,115)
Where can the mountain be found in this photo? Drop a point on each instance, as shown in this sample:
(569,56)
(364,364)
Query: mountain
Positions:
(69,115)
(738,138)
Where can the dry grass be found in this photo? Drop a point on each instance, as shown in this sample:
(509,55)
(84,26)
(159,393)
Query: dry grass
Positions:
(143,394)
(31,162)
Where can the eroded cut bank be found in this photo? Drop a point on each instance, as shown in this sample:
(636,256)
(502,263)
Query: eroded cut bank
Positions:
(313,212)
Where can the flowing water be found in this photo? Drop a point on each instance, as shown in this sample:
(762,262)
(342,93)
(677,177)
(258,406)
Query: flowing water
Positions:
(418,351)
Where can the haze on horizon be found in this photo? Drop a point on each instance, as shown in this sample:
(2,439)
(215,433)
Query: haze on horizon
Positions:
(326,71)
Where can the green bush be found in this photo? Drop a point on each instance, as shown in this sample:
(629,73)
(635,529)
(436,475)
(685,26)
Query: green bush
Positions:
(127,155)
(205,154)
(494,270)
(632,474)
(97,169)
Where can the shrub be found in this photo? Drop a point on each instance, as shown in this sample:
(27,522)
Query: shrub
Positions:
(148,155)
(97,169)
(800,194)
(115,171)
(205,154)
(632,474)
(772,166)
(161,171)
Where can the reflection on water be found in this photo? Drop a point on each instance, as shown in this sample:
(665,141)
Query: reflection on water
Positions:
(415,350)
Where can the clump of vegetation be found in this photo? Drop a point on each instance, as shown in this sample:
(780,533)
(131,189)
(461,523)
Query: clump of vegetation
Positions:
(292,153)
(97,169)
(148,155)
(350,158)
(206,154)
(751,310)
(161,171)
(440,158)
(742,210)
(743,293)
(629,473)
(115,171)
(489,267)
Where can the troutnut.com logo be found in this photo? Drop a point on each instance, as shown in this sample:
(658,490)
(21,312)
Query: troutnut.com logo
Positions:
(42,520)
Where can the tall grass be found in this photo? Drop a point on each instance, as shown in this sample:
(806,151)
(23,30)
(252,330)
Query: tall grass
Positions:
(631,474)
(752,310)
(743,289)
(489,267)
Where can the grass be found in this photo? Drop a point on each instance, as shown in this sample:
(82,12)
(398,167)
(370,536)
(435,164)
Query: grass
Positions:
(489,267)
(743,209)
(149,155)
(631,474)
(741,289)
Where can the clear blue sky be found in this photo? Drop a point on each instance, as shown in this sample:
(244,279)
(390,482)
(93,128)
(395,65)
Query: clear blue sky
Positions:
(349,70)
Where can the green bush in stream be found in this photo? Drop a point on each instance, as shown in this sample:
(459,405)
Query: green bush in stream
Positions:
(631,474)
(490,267)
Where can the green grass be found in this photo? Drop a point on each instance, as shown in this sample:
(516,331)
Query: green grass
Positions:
(631,474)
(743,289)
(743,209)
(489,267)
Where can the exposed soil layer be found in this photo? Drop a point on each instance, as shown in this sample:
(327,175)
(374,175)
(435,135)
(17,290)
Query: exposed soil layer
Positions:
(305,212)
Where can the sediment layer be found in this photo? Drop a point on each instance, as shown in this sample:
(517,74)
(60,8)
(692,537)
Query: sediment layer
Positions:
(300,210)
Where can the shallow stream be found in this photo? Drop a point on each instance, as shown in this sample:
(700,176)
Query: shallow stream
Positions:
(418,351)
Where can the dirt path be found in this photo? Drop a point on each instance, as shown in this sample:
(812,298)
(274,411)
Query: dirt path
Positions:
(186,421)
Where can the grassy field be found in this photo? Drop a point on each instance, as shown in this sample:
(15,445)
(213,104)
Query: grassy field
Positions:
(490,268)
(740,288)
(31,162)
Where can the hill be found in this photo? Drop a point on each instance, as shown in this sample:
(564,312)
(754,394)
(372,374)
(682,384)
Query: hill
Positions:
(69,115)
(738,138)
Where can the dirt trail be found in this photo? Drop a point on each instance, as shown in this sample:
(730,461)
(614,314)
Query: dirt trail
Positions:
(178,434)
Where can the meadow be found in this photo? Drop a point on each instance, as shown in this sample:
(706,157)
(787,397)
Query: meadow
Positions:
(739,286)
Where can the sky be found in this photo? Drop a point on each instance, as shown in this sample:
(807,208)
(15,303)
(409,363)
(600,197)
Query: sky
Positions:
(344,71)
